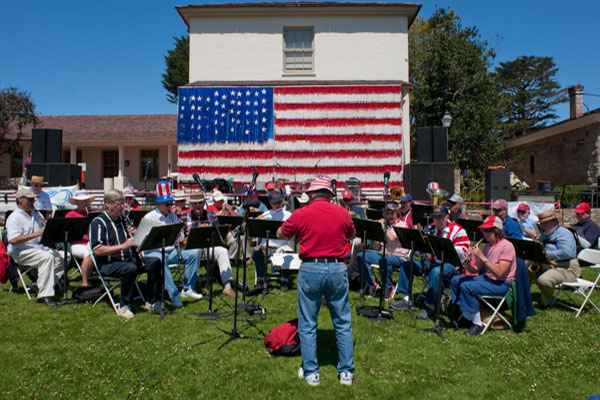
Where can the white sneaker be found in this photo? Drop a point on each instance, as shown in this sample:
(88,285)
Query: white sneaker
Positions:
(188,292)
(312,380)
(153,307)
(125,312)
(346,378)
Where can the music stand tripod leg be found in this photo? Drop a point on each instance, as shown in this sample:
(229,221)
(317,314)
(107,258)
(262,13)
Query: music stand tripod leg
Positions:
(65,269)
(410,280)
(162,281)
(438,303)
(265,290)
(211,267)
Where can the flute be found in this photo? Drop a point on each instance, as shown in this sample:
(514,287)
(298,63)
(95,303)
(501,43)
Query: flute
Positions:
(468,255)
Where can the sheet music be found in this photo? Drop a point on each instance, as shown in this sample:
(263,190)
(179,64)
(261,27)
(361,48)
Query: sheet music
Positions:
(145,226)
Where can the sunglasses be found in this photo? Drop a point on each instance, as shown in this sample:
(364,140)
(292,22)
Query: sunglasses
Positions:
(487,230)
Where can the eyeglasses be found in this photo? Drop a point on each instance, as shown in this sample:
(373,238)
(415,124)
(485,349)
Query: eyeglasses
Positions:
(487,230)
(497,209)
(169,204)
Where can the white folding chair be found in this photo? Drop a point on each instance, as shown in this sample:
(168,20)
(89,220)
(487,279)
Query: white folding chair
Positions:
(22,279)
(109,284)
(580,286)
(495,309)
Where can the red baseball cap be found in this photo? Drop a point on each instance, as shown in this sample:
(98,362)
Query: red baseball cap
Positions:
(523,207)
(583,207)
(347,195)
(269,186)
(492,222)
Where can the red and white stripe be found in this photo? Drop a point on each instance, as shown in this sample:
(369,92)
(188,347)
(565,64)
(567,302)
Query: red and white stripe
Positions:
(339,131)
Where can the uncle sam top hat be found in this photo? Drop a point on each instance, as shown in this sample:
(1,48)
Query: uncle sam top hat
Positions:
(163,192)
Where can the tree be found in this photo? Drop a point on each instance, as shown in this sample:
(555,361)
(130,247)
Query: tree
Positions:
(17,110)
(449,67)
(529,92)
(177,67)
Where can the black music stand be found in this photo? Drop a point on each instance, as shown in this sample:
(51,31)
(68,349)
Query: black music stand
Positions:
(414,240)
(471,226)
(530,250)
(374,214)
(60,213)
(376,204)
(263,229)
(64,230)
(135,216)
(161,237)
(206,238)
(421,213)
(370,230)
(444,250)
(265,200)
(93,215)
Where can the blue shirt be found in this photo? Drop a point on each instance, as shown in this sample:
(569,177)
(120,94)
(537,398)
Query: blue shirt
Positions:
(261,208)
(560,245)
(528,223)
(512,229)
(589,230)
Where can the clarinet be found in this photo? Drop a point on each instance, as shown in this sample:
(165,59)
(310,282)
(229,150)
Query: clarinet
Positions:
(130,230)
(41,217)
(178,249)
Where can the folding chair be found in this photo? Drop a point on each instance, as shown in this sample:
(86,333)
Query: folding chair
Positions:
(495,309)
(109,284)
(22,279)
(581,286)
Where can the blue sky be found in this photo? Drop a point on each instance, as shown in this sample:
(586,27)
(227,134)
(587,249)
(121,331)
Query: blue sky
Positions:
(80,57)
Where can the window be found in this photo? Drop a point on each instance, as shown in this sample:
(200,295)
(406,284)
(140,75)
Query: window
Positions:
(298,49)
(110,163)
(67,156)
(16,164)
(149,164)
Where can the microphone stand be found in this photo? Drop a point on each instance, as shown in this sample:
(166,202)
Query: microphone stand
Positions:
(384,315)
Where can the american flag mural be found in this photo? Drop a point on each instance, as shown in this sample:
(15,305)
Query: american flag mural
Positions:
(291,133)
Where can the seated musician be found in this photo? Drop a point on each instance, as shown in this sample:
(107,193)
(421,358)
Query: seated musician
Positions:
(441,227)
(586,229)
(511,228)
(115,254)
(347,202)
(199,216)
(499,260)
(164,214)
(219,207)
(131,203)
(250,202)
(455,203)
(405,208)
(42,200)
(525,220)
(276,213)
(24,229)
(180,203)
(395,255)
(79,248)
(560,247)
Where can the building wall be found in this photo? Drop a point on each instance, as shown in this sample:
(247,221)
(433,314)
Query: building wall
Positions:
(345,48)
(571,158)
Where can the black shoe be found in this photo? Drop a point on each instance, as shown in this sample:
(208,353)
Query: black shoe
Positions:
(47,301)
(34,288)
(401,305)
(284,287)
(460,323)
(425,313)
(260,285)
(474,330)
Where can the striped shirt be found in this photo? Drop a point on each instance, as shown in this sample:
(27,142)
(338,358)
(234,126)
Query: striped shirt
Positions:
(454,232)
(104,231)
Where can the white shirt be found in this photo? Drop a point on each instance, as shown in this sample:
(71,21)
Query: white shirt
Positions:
(276,215)
(43,201)
(21,223)
(168,219)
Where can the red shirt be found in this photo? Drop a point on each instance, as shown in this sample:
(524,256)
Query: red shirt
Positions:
(77,214)
(213,209)
(322,229)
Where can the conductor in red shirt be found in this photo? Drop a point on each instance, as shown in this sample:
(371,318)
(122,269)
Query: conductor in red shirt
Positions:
(322,229)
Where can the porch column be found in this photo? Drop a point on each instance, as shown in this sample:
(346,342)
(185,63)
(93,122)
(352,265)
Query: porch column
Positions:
(121,160)
(73,159)
(169,160)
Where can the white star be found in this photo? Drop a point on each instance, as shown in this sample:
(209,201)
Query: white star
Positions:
(193,98)
(182,108)
(255,103)
(264,110)
(247,112)
(238,112)
(256,93)
(247,93)
(180,115)
(233,92)
(216,122)
(264,91)
(223,105)
(239,103)
(199,116)
(184,98)
(216,112)
(216,102)
(264,129)
(193,107)
(255,122)
(255,112)
(238,121)
(199,98)
(222,115)
(232,102)
(192,126)
(239,94)
(232,129)
(246,131)
(216,92)
(264,101)
(224,96)
(247,102)
(264,120)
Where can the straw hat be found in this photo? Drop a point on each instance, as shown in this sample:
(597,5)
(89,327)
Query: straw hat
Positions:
(80,196)
(38,179)
(547,216)
(23,192)
(197,197)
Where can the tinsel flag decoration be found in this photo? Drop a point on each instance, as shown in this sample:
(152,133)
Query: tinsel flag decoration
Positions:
(291,132)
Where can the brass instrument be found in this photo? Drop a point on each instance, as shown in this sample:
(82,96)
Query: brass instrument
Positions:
(396,192)
(468,255)
(534,269)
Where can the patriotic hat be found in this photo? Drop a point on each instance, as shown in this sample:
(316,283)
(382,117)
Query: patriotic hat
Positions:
(492,222)
(320,182)
(433,185)
(163,192)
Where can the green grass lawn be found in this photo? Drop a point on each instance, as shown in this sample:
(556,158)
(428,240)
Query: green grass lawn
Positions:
(80,351)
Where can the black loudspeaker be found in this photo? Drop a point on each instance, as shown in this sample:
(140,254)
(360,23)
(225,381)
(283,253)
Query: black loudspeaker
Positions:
(497,184)
(432,144)
(418,175)
(56,174)
(46,145)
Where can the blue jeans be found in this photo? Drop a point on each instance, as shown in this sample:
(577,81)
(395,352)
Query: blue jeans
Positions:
(386,265)
(261,269)
(316,280)
(433,276)
(466,289)
(190,258)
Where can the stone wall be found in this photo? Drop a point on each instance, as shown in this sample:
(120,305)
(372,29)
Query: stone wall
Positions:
(571,158)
